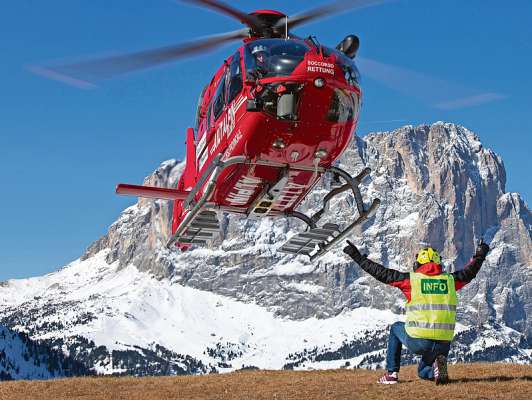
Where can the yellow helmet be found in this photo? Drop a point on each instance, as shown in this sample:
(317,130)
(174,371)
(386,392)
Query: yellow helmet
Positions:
(428,255)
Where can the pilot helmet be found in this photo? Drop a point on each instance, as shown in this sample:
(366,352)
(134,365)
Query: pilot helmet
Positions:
(259,48)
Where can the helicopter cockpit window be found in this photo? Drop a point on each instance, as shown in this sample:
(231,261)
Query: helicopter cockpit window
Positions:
(219,99)
(273,57)
(235,78)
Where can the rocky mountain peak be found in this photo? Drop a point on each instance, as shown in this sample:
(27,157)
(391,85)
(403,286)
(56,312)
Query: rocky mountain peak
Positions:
(438,186)
(444,166)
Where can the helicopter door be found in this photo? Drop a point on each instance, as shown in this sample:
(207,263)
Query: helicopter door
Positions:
(235,83)
(217,108)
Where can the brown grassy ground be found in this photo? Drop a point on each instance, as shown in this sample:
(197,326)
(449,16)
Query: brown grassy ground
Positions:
(468,381)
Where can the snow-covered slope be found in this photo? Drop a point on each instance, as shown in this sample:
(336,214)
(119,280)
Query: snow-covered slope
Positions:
(131,306)
(121,308)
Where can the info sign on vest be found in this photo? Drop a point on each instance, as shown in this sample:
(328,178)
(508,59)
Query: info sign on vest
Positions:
(434,286)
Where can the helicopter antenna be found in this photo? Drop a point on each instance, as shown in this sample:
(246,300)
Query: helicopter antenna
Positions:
(318,44)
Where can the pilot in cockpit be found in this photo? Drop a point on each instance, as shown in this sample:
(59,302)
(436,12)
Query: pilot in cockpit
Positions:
(261,54)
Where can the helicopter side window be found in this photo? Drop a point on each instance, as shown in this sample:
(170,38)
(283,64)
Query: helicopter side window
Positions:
(219,99)
(235,78)
(209,119)
(351,74)
(198,108)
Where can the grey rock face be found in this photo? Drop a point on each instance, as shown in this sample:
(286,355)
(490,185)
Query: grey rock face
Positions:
(141,230)
(438,186)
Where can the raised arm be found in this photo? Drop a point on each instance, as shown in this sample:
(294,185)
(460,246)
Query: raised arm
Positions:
(376,270)
(470,271)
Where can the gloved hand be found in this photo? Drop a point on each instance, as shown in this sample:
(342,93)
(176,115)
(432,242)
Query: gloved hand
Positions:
(482,249)
(352,251)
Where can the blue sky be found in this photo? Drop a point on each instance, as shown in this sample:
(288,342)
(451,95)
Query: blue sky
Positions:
(62,150)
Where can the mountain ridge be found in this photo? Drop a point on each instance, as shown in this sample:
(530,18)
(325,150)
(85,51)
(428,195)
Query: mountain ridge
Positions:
(438,185)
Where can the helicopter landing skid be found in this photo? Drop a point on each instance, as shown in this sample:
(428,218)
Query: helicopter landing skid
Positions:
(317,241)
(200,224)
(207,183)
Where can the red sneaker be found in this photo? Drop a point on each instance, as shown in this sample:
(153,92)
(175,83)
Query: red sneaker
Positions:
(441,376)
(388,379)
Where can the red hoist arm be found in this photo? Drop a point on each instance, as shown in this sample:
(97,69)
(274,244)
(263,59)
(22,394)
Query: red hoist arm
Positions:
(151,192)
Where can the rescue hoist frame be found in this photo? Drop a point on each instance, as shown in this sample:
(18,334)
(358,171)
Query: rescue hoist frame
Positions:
(200,224)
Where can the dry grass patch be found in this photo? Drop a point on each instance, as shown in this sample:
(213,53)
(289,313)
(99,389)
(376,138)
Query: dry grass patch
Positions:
(468,381)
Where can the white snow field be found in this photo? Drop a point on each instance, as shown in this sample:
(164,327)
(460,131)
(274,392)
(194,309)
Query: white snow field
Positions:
(135,309)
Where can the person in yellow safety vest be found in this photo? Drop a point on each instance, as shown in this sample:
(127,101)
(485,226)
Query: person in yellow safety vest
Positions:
(430,309)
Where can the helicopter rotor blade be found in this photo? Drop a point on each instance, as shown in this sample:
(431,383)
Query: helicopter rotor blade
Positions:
(325,10)
(439,93)
(224,8)
(83,73)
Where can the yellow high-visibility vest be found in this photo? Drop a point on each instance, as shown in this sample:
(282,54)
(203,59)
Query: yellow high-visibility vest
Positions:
(431,312)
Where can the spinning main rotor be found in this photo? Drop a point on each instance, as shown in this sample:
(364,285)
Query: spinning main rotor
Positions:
(269,24)
(259,24)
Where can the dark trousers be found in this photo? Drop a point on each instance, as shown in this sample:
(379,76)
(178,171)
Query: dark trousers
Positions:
(427,349)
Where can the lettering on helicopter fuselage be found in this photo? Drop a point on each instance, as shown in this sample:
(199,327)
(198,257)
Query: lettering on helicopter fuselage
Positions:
(243,190)
(233,143)
(320,66)
(227,125)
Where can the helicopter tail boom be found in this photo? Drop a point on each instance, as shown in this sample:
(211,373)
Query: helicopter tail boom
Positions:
(151,192)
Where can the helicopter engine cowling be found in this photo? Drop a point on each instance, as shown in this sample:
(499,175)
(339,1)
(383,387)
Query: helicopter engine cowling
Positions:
(349,46)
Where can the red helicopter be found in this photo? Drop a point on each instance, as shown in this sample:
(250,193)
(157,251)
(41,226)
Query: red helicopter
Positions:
(274,118)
